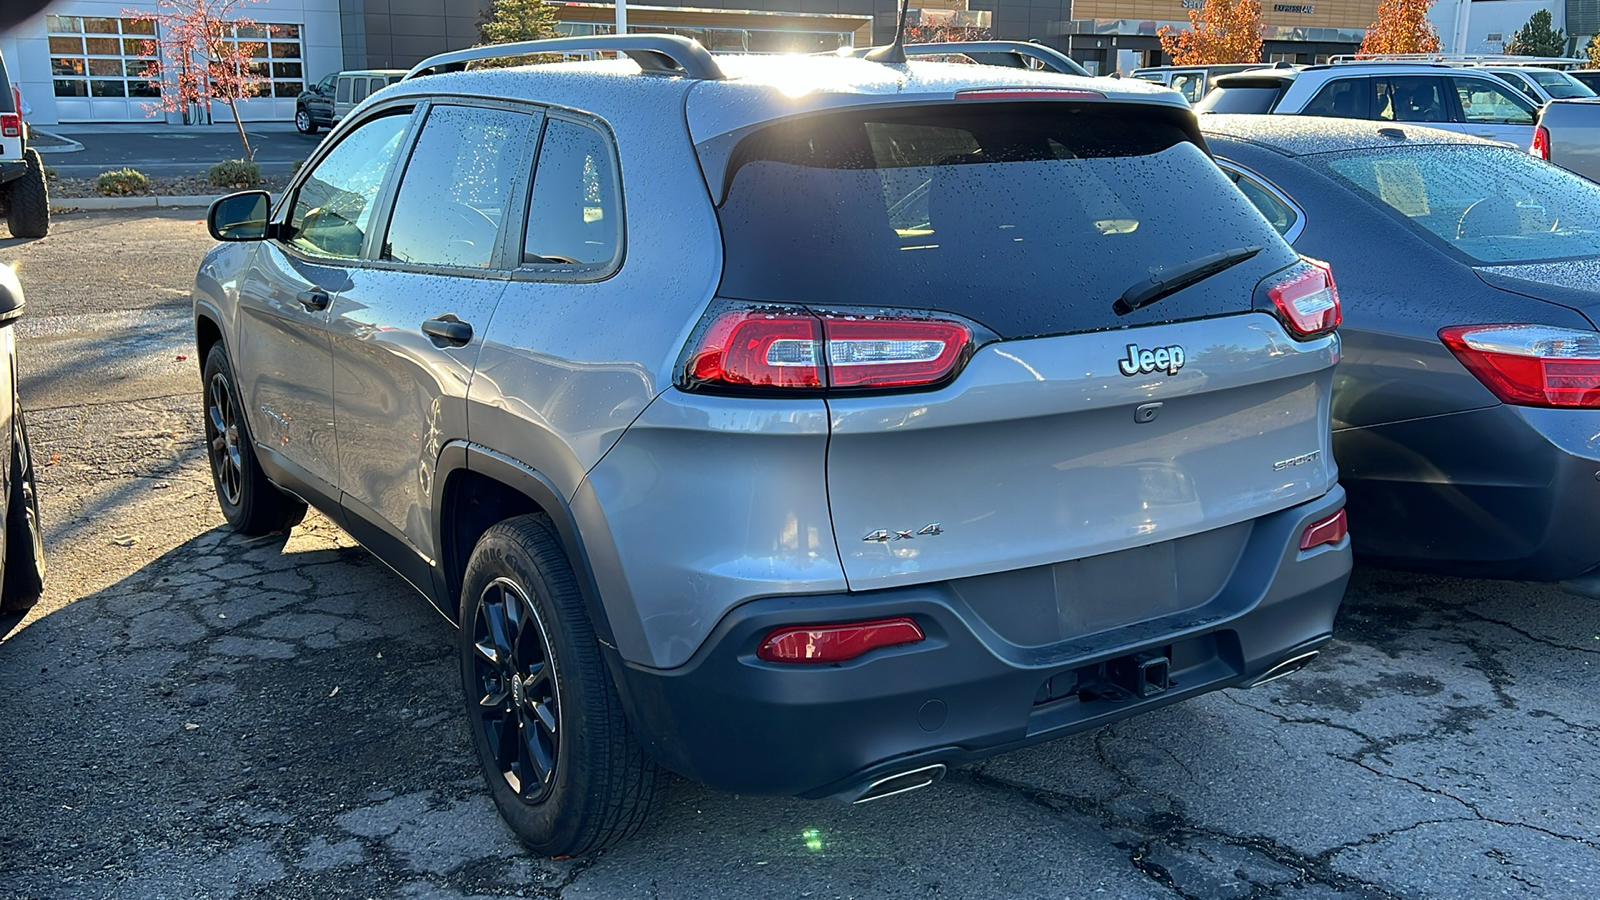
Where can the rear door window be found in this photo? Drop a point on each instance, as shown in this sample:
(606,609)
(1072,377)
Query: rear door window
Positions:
(1411,98)
(1192,85)
(1342,98)
(358,90)
(344,91)
(1517,81)
(455,193)
(1032,218)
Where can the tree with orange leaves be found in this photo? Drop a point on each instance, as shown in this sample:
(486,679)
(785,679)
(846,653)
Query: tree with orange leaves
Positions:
(1222,31)
(1402,27)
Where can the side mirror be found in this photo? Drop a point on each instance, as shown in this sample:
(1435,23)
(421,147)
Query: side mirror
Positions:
(11,301)
(240,217)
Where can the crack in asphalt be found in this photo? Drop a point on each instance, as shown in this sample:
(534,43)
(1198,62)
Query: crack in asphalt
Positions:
(1172,830)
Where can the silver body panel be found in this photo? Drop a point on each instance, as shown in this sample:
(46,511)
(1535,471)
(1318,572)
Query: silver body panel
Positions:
(1035,454)
(1574,135)
(689,506)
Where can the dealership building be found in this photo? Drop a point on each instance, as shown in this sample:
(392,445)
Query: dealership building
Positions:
(84,60)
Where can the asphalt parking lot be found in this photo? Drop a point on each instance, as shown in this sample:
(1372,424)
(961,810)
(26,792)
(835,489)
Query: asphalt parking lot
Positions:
(193,714)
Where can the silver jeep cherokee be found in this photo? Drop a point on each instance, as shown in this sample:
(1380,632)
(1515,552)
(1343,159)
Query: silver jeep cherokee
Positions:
(800,425)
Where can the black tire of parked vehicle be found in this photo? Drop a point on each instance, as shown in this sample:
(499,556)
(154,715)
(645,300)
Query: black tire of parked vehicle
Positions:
(303,121)
(28,200)
(591,783)
(250,503)
(24,575)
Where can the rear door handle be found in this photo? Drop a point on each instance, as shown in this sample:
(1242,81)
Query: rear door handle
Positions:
(448,329)
(315,299)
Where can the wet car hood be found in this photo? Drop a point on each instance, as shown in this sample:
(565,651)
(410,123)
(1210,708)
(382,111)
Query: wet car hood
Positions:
(1573,283)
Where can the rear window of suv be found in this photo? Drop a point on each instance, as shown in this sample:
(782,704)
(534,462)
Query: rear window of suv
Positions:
(1030,218)
(1251,96)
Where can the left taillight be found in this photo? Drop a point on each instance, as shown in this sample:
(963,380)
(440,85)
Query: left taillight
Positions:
(1306,299)
(1541,143)
(790,349)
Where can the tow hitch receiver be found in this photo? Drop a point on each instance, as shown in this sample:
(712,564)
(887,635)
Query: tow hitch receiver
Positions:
(1119,680)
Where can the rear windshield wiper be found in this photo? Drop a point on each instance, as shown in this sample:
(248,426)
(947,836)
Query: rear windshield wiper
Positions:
(1175,278)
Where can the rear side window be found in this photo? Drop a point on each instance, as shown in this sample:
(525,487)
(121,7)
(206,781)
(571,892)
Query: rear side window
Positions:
(1560,85)
(1280,215)
(358,90)
(1491,204)
(1521,84)
(344,91)
(575,212)
(333,206)
(1342,98)
(456,189)
(1031,218)
(1256,96)
(1192,85)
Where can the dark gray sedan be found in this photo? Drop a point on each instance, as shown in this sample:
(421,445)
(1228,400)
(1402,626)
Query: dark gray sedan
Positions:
(1466,409)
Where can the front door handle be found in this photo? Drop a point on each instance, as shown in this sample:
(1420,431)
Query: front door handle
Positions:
(315,299)
(449,329)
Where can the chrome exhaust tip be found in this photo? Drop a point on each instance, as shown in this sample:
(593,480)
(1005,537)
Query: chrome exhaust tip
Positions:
(1288,667)
(902,783)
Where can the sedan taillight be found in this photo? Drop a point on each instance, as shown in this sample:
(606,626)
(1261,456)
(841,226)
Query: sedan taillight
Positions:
(747,348)
(1530,365)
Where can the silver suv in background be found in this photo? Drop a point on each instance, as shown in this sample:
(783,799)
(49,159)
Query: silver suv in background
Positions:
(802,425)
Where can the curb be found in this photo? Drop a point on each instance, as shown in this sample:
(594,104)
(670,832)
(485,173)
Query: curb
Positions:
(59,204)
(66,145)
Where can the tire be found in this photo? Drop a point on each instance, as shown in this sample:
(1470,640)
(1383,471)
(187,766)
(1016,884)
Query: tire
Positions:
(28,200)
(557,753)
(303,121)
(24,567)
(251,503)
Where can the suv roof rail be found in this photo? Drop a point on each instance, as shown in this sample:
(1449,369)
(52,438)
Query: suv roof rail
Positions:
(1012,54)
(661,54)
(1457,59)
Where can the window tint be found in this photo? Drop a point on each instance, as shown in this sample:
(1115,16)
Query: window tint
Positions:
(575,214)
(1280,215)
(1493,204)
(1516,81)
(1560,85)
(1342,98)
(1485,102)
(1190,84)
(1411,99)
(1248,97)
(333,206)
(1031,218)
(454,193)
(358,90)
(344,91)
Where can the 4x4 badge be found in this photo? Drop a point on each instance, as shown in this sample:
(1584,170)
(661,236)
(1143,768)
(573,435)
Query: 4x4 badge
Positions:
(1143,362)
(882,536)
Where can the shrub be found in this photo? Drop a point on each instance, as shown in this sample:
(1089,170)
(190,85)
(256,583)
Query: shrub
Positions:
(50,173)
(235,173)
(122,182)
(294,169)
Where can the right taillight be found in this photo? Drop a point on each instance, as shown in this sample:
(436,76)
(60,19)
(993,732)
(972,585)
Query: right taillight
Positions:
(1307,299)
(786,349)
(1541,143)
(1329,531)
(1530,365)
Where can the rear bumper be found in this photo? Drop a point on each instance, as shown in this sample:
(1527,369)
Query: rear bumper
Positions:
(736,723)
(1503,492)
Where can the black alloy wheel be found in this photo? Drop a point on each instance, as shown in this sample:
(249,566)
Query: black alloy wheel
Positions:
(519,707)
(222,436)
